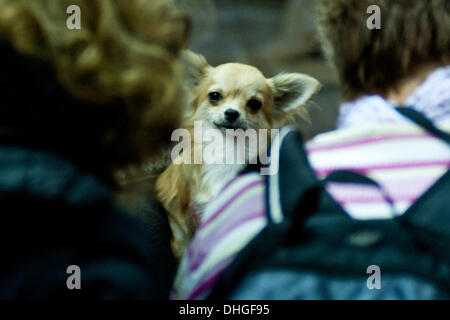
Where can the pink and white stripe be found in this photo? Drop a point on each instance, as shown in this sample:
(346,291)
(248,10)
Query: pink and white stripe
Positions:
(221,234)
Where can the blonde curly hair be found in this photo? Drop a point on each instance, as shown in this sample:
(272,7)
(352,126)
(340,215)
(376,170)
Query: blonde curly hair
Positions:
(124,59)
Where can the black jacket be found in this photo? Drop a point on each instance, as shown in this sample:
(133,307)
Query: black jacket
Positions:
(55,207)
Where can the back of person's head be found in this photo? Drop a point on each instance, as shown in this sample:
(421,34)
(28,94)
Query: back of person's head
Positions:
(413,33)
(121,69)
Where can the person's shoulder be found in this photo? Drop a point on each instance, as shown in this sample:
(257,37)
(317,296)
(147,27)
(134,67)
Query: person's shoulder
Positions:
(57,217)
(365,133)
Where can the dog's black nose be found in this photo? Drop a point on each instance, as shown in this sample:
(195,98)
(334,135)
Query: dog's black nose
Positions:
(231,115)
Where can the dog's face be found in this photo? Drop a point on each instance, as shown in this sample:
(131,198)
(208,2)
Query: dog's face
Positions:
(238,96)
(235,96)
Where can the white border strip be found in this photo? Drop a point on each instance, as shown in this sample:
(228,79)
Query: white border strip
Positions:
(276,212)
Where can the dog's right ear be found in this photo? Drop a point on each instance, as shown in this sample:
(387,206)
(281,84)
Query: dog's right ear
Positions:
(195,69)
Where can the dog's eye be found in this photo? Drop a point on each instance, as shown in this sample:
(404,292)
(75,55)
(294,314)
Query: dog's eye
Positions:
(254,104)
(215,97)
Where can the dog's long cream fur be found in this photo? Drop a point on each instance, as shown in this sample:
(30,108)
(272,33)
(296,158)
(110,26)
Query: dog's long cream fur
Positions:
(232,96)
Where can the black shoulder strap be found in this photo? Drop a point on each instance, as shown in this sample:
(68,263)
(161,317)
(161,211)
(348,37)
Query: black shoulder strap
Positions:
(289,168)
(345,176)
(423,122)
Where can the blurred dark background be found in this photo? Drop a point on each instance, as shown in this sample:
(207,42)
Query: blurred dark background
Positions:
(273,35)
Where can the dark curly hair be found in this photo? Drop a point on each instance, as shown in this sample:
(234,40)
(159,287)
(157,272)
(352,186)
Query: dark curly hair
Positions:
(413,33)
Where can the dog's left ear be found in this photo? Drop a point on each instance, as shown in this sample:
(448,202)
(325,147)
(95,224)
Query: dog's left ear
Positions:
(292,90)
(195,68)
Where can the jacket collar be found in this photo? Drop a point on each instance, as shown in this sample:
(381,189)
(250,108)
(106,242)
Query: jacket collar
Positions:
(432,98)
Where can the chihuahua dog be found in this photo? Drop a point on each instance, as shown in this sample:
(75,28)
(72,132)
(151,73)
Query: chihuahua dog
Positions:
(227,97)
